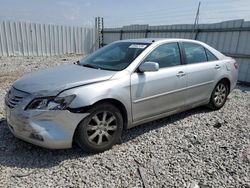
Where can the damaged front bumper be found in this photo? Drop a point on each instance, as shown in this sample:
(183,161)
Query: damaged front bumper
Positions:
(53,129)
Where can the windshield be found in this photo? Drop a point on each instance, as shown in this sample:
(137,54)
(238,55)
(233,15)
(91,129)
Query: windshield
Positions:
(115,56)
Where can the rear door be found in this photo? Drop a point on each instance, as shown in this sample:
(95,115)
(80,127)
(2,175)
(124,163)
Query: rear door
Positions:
(201,67)
(157,92)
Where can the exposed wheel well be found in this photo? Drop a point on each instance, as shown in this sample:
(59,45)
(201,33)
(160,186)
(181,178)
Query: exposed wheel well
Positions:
(120,106)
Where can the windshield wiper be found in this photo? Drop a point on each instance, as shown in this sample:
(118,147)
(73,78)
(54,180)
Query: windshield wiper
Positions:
(96,67)
(76,63)
(91,66)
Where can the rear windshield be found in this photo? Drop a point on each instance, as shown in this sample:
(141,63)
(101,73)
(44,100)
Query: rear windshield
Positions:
(116,56)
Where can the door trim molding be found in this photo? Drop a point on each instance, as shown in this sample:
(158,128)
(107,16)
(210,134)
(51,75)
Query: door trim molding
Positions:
(171,92)
(168,113)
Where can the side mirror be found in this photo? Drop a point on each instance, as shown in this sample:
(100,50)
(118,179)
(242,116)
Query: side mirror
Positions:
(149,67)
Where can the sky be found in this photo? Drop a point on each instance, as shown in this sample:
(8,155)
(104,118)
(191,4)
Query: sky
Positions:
(117,13)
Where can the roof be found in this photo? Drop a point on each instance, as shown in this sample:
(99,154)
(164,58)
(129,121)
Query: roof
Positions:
(151,40)
(143,40)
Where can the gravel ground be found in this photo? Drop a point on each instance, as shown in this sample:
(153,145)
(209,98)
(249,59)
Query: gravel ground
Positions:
(197,148)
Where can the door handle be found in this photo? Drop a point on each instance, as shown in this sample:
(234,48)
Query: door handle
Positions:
(217,67)
(180,74)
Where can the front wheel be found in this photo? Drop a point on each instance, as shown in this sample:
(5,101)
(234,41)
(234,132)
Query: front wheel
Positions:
(219,96)
(101,129)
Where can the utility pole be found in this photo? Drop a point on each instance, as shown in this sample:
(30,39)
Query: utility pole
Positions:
(196,22)
(102,39)
(99,25)
(96,36)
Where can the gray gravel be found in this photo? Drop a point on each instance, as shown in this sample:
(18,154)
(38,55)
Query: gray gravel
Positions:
(197,148)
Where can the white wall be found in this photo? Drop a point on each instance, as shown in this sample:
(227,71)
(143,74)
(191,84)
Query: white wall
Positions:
(31,39)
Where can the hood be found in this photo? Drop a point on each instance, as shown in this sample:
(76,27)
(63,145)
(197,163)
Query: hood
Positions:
(59,78)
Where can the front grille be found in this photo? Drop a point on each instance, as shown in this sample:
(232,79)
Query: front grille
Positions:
(15,97)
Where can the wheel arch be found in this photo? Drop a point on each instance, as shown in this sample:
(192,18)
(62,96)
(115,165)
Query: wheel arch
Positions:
(224,78)
(121,107)
(211,103)
(227,81)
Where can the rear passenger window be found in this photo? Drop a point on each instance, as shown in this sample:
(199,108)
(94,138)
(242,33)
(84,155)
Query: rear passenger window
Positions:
(211,56)
(167,55)
(195,53)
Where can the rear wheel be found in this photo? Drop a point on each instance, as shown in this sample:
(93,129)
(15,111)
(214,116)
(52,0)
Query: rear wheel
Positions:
(219,95)
(101,129)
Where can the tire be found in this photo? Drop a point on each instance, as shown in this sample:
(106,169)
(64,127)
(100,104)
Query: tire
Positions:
(219,96)
(100,130)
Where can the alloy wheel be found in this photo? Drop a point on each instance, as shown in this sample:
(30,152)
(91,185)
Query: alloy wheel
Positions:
(220,94)
(101,128)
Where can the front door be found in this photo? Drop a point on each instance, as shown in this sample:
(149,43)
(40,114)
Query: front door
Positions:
(157,92)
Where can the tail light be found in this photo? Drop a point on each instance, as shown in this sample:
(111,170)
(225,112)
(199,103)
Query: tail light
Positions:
(236,65)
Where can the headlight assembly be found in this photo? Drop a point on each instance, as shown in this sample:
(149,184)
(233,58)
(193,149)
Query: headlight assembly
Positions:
(51,103)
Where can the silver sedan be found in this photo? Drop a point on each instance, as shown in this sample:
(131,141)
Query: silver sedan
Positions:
(121,85)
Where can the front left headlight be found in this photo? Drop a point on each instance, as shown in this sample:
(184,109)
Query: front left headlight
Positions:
(51,103)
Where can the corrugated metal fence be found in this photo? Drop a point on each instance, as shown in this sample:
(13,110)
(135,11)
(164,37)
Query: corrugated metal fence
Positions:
(31,39)
(231,38)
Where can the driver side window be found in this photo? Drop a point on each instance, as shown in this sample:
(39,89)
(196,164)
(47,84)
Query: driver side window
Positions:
(167,55)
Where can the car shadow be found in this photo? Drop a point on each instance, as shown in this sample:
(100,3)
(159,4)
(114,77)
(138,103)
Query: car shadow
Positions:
(243,87)
(17,153)
(132,133)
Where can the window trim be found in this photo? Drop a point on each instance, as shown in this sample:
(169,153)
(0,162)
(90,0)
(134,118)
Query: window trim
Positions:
(182,62)
(183,55)
(211,53)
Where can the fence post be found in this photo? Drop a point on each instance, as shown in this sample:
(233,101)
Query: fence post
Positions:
(146,33)
(121,32)
(238,40)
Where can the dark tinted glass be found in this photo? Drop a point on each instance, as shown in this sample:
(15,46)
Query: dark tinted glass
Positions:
(211,56)
(167,55)
(195,53)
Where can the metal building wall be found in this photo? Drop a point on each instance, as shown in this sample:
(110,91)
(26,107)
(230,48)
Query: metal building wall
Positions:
(31,39)
(231,38)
